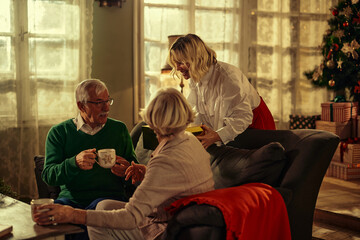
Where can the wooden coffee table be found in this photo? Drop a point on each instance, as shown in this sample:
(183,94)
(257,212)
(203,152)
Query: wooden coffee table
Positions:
(18,215)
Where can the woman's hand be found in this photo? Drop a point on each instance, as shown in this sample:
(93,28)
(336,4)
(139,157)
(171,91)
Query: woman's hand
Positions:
(136,172)
(208,136)
(120,166)
(58,214)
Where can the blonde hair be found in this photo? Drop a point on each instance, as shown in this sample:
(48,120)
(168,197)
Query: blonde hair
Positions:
(191,49)
(168,112)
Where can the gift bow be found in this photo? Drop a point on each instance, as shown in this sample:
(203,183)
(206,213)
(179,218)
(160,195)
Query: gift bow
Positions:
(340,98)
(351,48)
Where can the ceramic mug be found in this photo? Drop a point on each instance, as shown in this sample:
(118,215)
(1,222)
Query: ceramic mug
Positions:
(106,158)
(38,202)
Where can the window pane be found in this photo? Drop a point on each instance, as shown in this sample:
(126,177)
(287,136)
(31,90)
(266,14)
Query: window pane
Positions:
(7,105)
(268,67)
(167,2)
(207,21)
(162,22)
(63,105)
(311,32)
(53,17)
(152,54)
(268,5)
(214,3)
(319,6)
(52,58)
(5,17)
(6,57)
(267,31)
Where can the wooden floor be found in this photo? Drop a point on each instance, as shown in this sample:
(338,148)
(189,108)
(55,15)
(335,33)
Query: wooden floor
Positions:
(337,214)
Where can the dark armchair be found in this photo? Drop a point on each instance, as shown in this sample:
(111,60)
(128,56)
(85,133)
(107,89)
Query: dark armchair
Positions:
(307,156)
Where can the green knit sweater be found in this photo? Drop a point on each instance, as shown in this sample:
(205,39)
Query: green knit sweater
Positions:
(64,142)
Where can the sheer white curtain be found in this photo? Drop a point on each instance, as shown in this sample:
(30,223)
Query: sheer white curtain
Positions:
(272,41)
(45,49)
(284,43)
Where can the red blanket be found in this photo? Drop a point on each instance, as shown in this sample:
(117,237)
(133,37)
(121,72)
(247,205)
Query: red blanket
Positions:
(251,211)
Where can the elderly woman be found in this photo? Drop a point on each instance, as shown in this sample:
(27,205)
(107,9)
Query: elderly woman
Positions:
(179,167)
(225,101)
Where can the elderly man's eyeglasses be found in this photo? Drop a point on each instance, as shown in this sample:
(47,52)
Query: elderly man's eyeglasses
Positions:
(102,103)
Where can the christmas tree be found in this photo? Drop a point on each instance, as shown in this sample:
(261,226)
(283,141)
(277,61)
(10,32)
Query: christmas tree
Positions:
(339,69)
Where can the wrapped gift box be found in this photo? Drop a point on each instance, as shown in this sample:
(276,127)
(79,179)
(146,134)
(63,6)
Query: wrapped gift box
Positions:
(338,112)
(343,171)
(343,129)
(303,121)
(351,153)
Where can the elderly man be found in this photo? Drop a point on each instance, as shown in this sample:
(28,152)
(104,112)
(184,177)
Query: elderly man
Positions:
(71,151)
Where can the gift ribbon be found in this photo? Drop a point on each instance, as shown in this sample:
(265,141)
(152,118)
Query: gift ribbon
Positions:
(344,145)
(331,113)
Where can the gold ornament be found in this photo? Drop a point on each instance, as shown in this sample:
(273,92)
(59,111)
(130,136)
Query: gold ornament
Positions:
(330,64)
(331,83)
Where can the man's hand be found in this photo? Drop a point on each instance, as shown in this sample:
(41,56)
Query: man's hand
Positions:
(120,166)
(86,159)
(136,172)
(208,136)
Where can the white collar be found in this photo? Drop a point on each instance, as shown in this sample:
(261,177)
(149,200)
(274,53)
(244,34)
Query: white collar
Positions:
(81,125)
(206,78)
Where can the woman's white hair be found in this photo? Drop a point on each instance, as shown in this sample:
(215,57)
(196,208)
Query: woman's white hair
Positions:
(82,89)
(168,113)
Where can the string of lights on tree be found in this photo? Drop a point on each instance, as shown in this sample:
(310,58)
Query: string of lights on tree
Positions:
(339,69)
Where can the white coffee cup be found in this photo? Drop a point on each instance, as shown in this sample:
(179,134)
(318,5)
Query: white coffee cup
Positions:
(106,158)
(38,202)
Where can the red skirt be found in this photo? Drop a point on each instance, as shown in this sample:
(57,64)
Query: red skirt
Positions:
(262,117)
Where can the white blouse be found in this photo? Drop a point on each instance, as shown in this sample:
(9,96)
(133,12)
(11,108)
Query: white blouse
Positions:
(224,100)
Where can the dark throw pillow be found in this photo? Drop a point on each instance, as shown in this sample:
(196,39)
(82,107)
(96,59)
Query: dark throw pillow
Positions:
(232,166)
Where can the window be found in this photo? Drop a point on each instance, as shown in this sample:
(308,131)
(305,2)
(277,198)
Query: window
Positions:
(44,49)
(216,22)
(284,44)
(272,41)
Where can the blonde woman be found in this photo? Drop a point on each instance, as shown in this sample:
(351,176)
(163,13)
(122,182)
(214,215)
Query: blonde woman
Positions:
(225,101)
(179,167)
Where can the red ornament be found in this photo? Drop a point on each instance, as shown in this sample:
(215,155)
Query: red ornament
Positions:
(346,24)
(357,88)
(335,46)
(331,83)
(329,54)
(356,20)
(335,12)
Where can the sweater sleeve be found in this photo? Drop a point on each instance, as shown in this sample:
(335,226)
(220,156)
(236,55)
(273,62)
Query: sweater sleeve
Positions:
(162,181)
(58,170)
